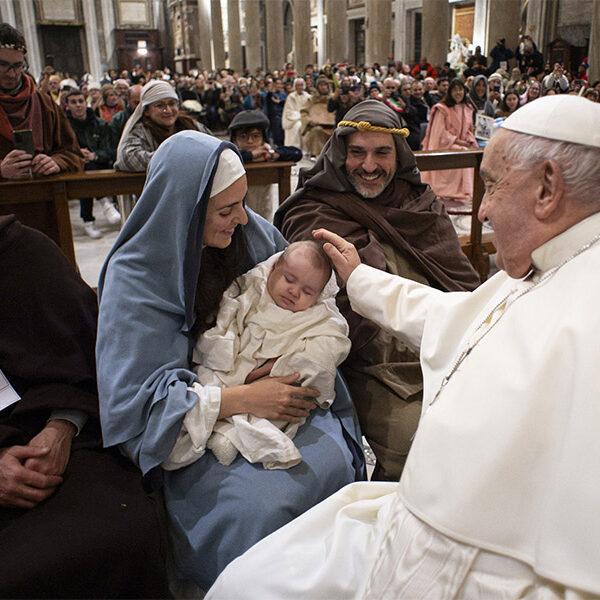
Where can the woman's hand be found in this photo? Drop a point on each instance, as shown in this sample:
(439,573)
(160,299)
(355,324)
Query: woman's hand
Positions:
(270,398)
(343,254)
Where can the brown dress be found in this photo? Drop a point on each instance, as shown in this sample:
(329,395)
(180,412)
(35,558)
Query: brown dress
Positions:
(99,535)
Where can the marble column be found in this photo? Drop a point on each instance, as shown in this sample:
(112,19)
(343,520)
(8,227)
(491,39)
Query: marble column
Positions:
(399,30)
(108,24)
(274,26)
(91,37)
(435,31)
(493,20)
(302,35)
(252,25)
(379,31)
(217,33)
(7,13)
(34,55)
(537,21)
(321,49)
(234,35)
(594,48)
(337,30)
(205,35)
(504,21)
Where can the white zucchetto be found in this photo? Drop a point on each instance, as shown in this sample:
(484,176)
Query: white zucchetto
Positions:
(564,118)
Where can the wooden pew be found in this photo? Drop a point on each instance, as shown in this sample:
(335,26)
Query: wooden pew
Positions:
(477,246)
(43,203)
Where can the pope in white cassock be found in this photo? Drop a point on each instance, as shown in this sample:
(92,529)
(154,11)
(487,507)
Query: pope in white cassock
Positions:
(500,496)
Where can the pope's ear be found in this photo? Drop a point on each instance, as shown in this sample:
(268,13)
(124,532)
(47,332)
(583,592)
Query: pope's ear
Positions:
(550,192)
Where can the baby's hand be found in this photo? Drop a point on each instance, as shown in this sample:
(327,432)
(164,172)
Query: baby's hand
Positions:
(260,372)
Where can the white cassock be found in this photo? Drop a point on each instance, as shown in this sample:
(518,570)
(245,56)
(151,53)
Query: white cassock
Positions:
(291,120)
(500,496)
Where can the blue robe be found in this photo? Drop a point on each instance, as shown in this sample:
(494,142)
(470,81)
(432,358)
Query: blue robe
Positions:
(147,289)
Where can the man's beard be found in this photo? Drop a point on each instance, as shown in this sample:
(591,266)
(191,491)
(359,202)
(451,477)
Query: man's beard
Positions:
(370,191)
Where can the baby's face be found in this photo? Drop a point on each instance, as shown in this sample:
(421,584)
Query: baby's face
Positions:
(294,283)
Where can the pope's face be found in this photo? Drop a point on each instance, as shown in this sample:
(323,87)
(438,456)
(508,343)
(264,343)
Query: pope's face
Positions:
(370,162)
(508,205)
(11,68)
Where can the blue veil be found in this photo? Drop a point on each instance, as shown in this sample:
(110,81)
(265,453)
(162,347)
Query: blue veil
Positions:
(147,289)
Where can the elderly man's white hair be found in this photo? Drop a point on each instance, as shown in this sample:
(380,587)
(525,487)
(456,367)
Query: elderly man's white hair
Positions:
(563,129)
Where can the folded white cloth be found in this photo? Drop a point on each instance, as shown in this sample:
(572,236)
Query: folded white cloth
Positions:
(251,329)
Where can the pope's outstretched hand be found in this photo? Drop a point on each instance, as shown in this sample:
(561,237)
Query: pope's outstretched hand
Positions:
(343,254)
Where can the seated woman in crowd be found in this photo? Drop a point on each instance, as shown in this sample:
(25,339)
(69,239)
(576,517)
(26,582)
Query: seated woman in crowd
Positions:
(478,95)
(109,103)
(533,92)
(509,104)
(451,128)
(248,132)
(186,240)
(156,118)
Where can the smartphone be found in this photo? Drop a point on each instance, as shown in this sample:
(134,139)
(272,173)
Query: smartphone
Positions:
(23,139)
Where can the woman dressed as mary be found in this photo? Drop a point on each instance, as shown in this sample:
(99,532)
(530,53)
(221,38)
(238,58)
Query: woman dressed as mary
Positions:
(188,237)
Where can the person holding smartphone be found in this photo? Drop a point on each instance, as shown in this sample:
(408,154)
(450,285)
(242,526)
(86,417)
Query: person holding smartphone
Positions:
(23,107)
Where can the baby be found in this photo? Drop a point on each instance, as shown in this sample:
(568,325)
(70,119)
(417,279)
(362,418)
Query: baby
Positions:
(283,308)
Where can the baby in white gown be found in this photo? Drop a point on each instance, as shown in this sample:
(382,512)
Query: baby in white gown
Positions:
(283,308)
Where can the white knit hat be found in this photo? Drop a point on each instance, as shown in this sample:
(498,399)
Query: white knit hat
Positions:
(564,117)
(229,170)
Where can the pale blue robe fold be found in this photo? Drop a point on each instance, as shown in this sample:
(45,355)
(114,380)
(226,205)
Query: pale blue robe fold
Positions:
(146,291)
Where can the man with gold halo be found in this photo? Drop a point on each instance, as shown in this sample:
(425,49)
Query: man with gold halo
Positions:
(366,187)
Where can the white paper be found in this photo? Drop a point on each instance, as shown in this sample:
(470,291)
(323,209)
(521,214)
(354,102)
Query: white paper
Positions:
(8,395)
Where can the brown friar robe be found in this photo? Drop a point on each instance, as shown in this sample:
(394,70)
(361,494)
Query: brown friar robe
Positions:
(99,534)
(406,231)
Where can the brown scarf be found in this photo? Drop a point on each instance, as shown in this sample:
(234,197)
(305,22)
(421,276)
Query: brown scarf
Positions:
(22,111)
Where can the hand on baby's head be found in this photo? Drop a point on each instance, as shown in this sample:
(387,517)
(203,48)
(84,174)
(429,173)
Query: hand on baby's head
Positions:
(297,279)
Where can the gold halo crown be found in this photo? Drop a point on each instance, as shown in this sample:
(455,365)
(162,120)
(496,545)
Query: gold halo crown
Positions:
(366,126)
(18,47)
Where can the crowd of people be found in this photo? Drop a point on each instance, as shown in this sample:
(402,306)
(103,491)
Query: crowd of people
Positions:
(302,108)
(195,400)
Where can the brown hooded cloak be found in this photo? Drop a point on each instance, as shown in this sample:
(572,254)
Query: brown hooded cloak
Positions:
(406,231)
(407,216)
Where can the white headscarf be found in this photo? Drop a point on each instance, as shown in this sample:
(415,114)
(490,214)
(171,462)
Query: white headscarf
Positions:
(153,91)
(229,170)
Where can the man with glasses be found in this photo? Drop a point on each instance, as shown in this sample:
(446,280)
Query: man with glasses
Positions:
(24,107)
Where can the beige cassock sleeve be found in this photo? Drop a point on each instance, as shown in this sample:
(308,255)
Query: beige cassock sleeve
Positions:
(396,304)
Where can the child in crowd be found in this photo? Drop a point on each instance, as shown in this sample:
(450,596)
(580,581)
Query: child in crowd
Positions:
(248,131)
(283,309)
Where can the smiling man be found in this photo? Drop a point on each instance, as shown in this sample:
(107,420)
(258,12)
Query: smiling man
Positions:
(366,187)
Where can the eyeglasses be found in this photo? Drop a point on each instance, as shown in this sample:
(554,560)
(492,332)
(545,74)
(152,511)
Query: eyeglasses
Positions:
(164,106)
(17,67)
